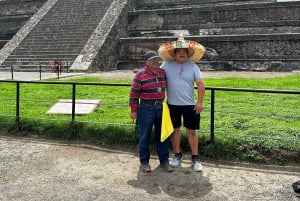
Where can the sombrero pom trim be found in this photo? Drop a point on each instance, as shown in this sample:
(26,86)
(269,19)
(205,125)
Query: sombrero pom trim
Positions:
(195,50)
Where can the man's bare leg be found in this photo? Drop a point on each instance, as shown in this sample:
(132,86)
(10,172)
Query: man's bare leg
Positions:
(193,141)
(175,138)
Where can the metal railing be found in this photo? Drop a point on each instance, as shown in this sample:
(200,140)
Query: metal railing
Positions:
(39,70)
(212,101)
(212,108)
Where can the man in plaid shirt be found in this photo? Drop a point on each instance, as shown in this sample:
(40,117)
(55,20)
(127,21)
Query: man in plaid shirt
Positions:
(146,96)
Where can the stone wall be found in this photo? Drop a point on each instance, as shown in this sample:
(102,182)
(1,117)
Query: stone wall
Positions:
(2,43)
(247,36)
(14,14)
(174,3)
(241,52)
(17,7)
(225,20)
(278,52)
(109,53)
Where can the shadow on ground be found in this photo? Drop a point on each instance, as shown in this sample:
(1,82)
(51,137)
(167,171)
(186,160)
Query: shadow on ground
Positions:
(193,185)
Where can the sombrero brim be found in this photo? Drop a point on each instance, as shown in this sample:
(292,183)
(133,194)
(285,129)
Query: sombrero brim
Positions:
(196,51)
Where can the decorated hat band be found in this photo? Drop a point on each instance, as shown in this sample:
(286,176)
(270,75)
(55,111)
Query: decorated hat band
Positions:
(196,51)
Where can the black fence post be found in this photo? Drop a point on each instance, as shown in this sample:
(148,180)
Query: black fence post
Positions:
(212,116)
(73,124)
(40,70)
(12,72)
(73,101)
(18,105)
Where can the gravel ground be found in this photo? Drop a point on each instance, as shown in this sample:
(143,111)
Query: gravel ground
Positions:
(35,170)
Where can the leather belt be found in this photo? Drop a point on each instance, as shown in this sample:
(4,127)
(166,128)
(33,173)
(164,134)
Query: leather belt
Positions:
(151,102)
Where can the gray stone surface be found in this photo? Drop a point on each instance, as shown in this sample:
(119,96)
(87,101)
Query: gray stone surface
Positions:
(34,169)
(82,106)
(34,76)
(129,74)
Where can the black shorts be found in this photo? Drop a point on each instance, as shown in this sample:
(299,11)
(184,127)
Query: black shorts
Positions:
(191,120)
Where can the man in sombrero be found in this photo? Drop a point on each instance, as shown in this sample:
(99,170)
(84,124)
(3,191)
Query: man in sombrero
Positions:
(182,73)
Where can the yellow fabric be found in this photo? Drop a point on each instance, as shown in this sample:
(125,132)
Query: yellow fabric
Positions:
(166,123)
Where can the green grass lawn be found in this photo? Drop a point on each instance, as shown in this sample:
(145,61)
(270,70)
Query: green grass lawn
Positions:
(249,126)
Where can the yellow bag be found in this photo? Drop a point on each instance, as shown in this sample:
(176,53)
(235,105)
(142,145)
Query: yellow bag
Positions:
(166,123)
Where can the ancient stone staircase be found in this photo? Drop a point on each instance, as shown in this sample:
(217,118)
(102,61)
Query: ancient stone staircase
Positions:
(61,34)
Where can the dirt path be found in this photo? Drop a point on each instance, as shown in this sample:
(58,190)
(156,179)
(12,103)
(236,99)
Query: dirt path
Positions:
(36,170)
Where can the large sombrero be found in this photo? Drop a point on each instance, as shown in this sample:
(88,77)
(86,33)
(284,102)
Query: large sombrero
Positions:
(195,50)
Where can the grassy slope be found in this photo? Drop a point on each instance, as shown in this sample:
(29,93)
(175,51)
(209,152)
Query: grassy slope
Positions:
(240,117)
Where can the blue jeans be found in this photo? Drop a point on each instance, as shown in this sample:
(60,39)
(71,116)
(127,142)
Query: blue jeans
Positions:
(149,115)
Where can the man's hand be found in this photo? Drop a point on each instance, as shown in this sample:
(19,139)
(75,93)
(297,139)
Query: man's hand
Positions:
(198,107)
(133,115)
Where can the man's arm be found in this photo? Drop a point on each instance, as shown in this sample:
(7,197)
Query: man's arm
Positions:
(134,95)
(201,92)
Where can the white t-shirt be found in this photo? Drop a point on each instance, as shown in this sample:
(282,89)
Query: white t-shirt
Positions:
(180,82)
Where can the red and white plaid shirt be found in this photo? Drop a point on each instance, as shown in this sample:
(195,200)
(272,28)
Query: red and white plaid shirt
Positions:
(147,86)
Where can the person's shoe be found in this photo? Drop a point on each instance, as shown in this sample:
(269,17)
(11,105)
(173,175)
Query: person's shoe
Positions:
(296,188)
(176,159)
(145,168)
(197,166)
(167,167)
